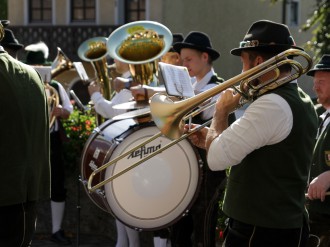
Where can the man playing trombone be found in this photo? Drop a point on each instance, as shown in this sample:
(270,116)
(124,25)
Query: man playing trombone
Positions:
(268,149)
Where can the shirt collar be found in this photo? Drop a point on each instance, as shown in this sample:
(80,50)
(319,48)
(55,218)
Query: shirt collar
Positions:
(204,81)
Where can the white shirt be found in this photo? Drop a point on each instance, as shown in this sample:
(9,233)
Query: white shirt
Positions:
(66,104)
(326,122)
(268,120)
(104,107)
(201,86)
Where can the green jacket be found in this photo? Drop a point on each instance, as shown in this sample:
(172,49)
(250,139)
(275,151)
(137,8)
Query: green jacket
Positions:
(24,142)
(320,164)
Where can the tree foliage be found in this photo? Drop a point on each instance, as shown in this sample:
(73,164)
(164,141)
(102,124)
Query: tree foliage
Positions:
(3,10)
(319,23)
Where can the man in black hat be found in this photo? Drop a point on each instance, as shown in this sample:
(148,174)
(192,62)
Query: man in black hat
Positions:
(10,43)
(24,152)
(319,204)
(197,56)
(268,149)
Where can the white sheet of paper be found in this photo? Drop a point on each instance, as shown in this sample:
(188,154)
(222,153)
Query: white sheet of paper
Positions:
(45,72)
(177,80)
(81,71)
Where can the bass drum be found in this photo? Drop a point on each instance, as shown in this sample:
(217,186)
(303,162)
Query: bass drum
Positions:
(151,196)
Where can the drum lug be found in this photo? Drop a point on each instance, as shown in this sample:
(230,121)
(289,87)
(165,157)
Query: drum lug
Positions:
(98,130)
(118,140)
(185,213)
(83,181)
(100,192)
(200,163)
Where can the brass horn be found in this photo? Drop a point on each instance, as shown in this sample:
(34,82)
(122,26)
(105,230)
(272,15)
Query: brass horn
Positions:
(140,44)
(61,63)
(94,50)
(53,98)
(169,116)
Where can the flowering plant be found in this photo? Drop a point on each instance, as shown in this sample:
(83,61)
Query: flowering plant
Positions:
(78,127)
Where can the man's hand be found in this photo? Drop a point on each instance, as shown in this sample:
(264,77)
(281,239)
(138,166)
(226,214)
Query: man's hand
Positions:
(119,83)
(318,187)
(227,102)
(93,87)
(198,138)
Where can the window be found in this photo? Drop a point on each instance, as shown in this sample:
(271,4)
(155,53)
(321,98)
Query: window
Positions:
(40,11)
(292,8)
(135,10)
(82,10)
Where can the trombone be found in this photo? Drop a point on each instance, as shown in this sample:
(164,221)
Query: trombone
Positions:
(170,116)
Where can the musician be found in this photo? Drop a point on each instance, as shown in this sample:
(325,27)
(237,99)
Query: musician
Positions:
(172,56)
(24,152)
(121,86)
(198,55)
(319,204)
(37,54)
(268,149)
(10,43)
(126,236)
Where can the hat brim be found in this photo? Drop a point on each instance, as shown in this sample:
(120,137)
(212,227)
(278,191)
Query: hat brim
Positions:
(213,53)
(265,48)
(312,71)
(13,46)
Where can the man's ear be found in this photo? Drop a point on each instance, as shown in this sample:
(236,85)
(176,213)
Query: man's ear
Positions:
(258,60)
(205,56)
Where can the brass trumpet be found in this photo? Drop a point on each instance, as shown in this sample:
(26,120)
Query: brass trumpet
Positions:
(170,116)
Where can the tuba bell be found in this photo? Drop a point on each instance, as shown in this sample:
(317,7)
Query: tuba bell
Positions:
(94,50)
(61,63)
(140,44)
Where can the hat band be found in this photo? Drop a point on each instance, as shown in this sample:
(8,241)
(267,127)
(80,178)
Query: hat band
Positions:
(249,43)
(255,43)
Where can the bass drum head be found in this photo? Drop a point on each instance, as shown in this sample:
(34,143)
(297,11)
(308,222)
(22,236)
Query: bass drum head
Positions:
(97,151)
(157,192)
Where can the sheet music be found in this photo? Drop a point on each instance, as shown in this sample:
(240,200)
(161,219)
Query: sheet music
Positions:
(81,71)
(177,80)
(45,72)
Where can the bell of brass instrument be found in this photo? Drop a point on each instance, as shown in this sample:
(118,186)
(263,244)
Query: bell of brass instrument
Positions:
(61,63)
(95,51)
(140,44)
(53,100)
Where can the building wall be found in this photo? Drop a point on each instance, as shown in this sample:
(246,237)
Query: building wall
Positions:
(225,22)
